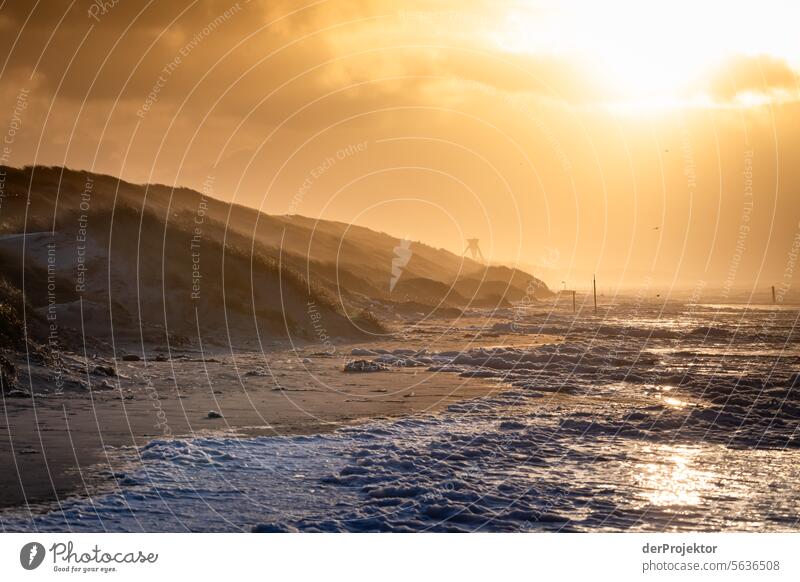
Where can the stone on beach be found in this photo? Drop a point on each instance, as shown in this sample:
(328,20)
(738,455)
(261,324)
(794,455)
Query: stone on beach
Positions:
(365,366)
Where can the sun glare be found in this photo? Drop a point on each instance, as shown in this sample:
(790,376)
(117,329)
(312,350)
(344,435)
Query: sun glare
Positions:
(645,51)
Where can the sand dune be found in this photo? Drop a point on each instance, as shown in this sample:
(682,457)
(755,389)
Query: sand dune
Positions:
(155,263)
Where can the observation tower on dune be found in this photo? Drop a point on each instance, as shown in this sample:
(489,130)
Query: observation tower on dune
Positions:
(474,250)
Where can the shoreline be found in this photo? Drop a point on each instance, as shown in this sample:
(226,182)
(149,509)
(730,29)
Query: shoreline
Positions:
(68,446)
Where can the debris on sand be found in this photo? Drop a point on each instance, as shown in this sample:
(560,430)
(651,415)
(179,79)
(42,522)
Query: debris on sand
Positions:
(213,414)
(8,373)
(105,370)
(105,385)
(365,366)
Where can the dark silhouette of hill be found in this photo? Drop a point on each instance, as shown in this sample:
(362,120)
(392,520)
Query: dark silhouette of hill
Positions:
(130,262)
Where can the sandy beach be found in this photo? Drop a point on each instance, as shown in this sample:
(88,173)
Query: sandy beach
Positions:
(56,446)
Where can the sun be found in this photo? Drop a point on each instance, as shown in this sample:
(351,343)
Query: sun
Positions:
(639,51)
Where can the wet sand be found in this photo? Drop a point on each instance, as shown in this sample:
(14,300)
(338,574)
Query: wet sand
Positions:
(53,447)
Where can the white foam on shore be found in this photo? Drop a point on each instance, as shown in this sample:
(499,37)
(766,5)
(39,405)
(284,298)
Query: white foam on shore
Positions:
(688,425)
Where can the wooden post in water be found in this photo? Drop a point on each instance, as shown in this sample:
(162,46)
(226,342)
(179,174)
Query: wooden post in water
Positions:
(594,290)
(773,294)
(573,302)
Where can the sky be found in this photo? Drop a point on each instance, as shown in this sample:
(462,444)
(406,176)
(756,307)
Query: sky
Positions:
(653,143)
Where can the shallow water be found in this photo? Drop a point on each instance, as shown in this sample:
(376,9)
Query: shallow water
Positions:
(646,418)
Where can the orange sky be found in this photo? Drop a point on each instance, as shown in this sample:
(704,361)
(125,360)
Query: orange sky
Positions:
(654,146)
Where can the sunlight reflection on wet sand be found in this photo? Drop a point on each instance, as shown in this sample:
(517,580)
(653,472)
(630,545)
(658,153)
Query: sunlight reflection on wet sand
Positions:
(675,479)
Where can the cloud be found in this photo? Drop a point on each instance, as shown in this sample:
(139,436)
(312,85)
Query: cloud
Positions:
(761,74)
